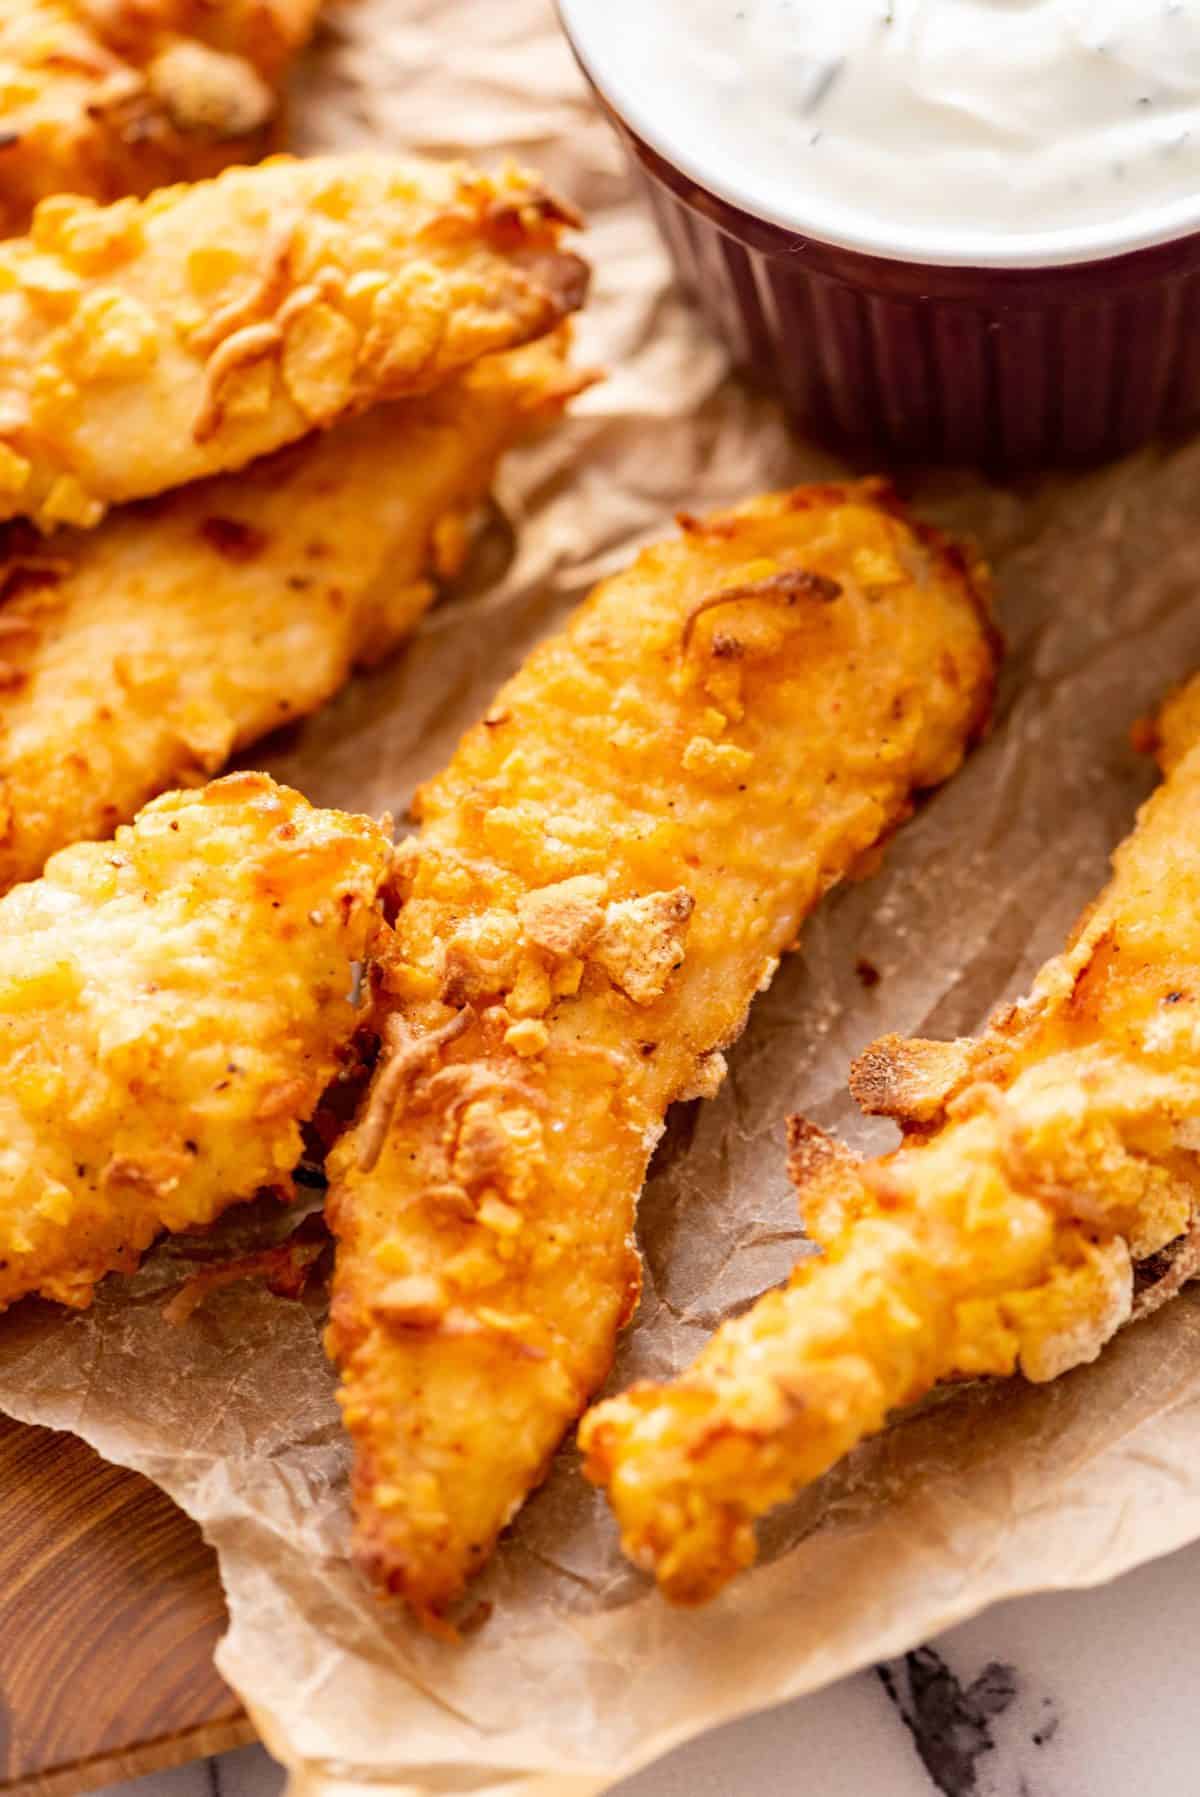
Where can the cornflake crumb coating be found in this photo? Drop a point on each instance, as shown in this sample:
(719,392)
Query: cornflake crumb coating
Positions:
(608,870)
(151,342)
(142,654)
(1042,1162)
(111,97)
(173,1003)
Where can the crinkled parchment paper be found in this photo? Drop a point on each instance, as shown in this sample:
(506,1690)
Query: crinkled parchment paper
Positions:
(581,1673)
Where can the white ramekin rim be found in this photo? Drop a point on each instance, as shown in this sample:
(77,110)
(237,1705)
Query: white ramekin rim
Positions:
(1152,227)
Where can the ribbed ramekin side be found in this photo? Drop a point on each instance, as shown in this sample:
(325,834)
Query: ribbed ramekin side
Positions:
(1006,369)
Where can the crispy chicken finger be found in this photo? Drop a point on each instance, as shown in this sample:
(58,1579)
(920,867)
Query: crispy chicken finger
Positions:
(174,1003)
(150,343)
(140,655)
(1040,1163)
(268,33)
(111,97)
(606,873)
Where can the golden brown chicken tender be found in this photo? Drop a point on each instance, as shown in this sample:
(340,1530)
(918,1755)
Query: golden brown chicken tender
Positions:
(111,97)
(140,655)
(1040,1163)
(149,343)
(172,1005)
(268,33)
(605,875)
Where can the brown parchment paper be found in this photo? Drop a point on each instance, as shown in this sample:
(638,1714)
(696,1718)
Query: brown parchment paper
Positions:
(582,1673)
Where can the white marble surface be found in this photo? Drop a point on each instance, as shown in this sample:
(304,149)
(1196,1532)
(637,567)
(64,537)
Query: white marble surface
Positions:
(1078,1694)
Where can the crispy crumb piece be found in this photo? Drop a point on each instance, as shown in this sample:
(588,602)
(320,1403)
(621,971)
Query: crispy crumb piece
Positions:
(527,1037)
(724,764)
(68,503)
(910,1080)
(416,1303)
(566,917)
(708,1078)
(642,942)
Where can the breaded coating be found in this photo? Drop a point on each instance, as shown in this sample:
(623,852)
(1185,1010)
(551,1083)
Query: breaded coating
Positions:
(150,343)
(268,33)
(142,654)
(1040,1162)
(112,97)
(172,1005)
(605,875)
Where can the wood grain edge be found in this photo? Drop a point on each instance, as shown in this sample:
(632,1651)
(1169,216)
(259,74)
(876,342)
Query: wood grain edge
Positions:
(149,1756)
(110,1609)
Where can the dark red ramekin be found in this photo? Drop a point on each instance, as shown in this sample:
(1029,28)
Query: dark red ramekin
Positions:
(1006,368)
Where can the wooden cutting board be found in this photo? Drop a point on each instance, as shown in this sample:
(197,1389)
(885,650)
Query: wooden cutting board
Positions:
(110,1607)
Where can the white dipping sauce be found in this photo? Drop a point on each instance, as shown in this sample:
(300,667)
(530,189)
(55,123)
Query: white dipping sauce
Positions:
(920,126)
